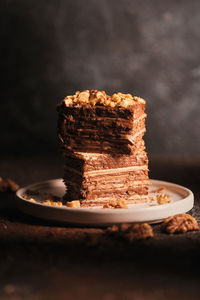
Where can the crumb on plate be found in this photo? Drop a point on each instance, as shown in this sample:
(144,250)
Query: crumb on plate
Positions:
(115,204)
(73,204)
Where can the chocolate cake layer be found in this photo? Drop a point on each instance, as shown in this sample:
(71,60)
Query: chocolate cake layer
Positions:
(92,176)
(113,191)
(95,161)
(101,128)
(102,139)
(94,189)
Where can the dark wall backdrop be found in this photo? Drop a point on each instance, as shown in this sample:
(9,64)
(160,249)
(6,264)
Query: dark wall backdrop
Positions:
(149,48)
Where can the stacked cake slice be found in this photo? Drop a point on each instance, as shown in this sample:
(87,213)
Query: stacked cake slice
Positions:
(103,146)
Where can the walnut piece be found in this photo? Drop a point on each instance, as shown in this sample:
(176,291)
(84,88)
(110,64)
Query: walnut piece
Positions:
(131,232)
(94,97)
(116,204)
(27,197)
(180,223)
(139,232)
(160,197)
(53,203)
(74,204)
(163,199)
(112,229)
(32,200)
(8,185)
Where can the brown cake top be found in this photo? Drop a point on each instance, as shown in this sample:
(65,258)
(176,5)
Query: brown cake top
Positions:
(95,97)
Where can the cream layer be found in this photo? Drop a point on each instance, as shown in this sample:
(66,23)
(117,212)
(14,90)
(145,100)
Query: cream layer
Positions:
(102,201)
(135,183)
(131,138)
(108,171)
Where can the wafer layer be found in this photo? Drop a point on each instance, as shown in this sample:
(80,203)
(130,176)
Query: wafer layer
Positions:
(89,176)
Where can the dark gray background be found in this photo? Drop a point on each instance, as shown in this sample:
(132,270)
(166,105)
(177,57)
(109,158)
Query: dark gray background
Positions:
(51,48)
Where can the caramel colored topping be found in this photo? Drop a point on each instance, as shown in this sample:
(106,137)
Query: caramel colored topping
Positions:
(94,97)
(115,204)
(32,200)
(163,199)
(53,203)
(27,197)
(160,197)
(74,204)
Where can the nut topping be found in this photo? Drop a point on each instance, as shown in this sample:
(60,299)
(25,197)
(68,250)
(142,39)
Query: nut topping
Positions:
(93,97)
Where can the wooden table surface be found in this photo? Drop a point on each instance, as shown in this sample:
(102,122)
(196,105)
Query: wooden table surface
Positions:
(41,260)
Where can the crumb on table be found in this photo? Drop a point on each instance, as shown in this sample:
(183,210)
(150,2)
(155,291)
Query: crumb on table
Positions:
(8,185)
(131,232)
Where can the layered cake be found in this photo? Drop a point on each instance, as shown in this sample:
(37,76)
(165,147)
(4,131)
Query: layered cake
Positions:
(103,147)
(96,178)
(92,121)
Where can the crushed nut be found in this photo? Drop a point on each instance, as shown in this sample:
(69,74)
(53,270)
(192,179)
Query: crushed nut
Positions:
(131,232)
(180,223)
(160,197)
(163,199)
(115,204)
(110,204)
(94,97)
(53,203)
(139,99)
(8,185)
(32,200)
(121,204)
(119,228)
(124,227)
(153,198)
(12,185)
(74,204)
(139,232)
(113,228)
(27,197)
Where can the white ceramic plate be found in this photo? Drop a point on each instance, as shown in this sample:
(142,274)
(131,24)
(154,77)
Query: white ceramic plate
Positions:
(183,201)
